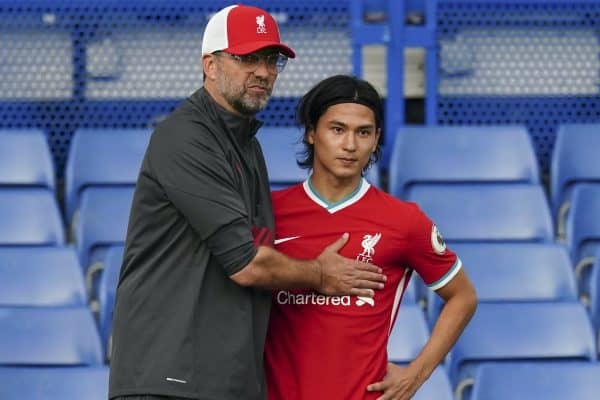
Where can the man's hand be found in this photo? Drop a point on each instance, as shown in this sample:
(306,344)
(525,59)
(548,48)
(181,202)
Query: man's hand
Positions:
(343,276)
(399,383)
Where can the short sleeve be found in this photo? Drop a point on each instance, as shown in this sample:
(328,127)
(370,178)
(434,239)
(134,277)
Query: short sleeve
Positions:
(196,177)
(428,254)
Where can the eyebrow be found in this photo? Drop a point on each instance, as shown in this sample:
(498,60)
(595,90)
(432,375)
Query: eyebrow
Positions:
(336,122)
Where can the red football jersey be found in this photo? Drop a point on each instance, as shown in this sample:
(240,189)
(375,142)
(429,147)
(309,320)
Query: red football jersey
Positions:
(332,347)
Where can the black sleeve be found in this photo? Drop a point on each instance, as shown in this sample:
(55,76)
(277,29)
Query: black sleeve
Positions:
(198,180)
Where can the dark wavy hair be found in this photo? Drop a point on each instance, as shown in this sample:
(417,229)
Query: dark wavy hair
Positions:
(336,90)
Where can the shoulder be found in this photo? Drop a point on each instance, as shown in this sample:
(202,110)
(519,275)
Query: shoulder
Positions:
(283,198)
(393,204)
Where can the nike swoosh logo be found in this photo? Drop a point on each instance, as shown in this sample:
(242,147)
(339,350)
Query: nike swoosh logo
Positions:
(287,239)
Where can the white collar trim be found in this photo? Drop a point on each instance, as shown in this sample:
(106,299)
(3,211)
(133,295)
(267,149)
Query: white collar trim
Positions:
(361,190)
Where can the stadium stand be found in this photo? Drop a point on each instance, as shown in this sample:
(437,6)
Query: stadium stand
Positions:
(30,217)
(548,381)
(25,159)
(574,162)
(520,332)
(33,383)
(106,294)
(487,213)
(65,336)
(281,147)
(102,157)
(583,232)
(40,276)
(102,222)
(461,154)
(514,272)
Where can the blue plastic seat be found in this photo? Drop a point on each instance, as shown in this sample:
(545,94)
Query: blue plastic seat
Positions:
(30,217)
(25,159)
(281,147)
(476,213)
(409,334)
(436,387)
(81,383)
(102,223)
(594,297)
(461,154)
(514,272)
(520,332)
(48,336)
(574,161)
(102,157)
(107,292)
(40,276)
(548,381)
(583,231)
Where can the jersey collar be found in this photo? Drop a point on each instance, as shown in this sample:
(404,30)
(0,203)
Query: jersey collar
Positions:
(356,195)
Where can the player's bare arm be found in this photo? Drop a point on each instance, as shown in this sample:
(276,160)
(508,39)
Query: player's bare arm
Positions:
(329,273)
(461,301)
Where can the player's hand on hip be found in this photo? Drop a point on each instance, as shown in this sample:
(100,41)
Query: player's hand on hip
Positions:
(399,383)
(342,276)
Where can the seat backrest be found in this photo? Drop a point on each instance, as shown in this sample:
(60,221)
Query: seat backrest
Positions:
(40,276)
(409,334)
(514,272)
(583,222)
(32,383)
(461,154)
(107,290)
(102,222)
(522,331)
(437,386)
(548,381)
(574,160)
(30,217)
(48,336)
(595,295)
(499,212)
(99,157)
(25,159)
(281,147)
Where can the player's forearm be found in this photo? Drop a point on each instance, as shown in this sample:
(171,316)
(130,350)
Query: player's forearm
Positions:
(271,269)
(453,319)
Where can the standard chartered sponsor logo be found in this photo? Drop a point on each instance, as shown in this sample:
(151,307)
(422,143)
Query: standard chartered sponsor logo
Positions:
(285,297)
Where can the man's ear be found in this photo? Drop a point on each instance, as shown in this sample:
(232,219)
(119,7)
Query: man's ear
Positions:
(310,136)
(209,66)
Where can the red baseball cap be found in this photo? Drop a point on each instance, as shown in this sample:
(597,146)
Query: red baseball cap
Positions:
(242,30)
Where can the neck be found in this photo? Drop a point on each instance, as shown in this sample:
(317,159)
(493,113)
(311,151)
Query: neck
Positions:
(332,189)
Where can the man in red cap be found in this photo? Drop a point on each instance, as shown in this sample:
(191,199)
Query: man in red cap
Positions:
(192,304)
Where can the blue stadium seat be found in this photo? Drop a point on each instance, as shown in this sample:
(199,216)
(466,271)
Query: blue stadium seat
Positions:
(30,217)
(583,231)
(25,159)
(548,381)
(102,157)
(514,272)
(48,336)
(281,147)
(409,334)
(437,387)
(594,297)
(499,212)
(520,332)
(106,293)
(102,222)
(40,276)
(461,154)
(574,161)
(60,383)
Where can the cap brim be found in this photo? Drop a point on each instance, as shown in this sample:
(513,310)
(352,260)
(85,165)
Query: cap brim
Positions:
(248,48)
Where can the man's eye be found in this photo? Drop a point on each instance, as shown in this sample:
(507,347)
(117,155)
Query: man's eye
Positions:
(250,59)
